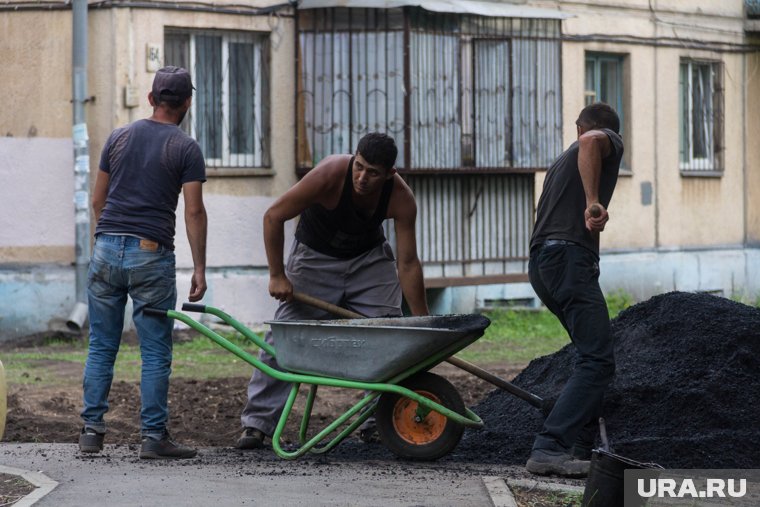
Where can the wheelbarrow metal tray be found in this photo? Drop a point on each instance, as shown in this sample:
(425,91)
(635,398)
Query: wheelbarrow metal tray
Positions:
(369,350)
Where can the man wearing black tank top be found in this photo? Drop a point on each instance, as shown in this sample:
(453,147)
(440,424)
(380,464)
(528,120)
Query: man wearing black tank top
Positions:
(564,272)
(339,255)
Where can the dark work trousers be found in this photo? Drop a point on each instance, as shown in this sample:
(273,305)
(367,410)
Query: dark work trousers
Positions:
(566,278)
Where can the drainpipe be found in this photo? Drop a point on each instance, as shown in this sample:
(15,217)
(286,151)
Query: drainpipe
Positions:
(78,315)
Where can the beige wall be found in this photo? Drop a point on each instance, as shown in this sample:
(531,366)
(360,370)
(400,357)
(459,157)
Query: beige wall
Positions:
(36,75)
(36,83)
(686,211)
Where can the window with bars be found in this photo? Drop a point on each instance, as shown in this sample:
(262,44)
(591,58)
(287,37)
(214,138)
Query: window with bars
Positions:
(230,113)
(456,92)
(701,115)
(605,83)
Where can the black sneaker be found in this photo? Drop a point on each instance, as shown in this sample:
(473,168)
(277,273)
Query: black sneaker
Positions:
(90,440)
(250,439)
(164,449)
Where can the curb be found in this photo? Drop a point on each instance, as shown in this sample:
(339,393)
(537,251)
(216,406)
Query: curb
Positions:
(43,483)
(501,495)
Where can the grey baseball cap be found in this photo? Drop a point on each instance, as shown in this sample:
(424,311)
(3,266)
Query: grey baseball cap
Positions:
(172,84)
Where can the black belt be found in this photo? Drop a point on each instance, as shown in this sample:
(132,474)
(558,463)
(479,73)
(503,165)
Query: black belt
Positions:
(553,242)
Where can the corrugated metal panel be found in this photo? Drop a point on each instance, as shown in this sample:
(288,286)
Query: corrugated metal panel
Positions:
(435,96)
(470,225)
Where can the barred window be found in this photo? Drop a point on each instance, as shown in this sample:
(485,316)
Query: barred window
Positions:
(230,113)
(701,113)
(457,92)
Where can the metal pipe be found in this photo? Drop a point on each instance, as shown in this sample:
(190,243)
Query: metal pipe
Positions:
(80,139)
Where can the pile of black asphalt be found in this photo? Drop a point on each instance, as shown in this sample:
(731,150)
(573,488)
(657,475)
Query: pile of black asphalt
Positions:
(686,392)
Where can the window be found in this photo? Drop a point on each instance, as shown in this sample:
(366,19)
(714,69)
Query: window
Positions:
(456,92)
(605,83)
(701,113)
(230,113)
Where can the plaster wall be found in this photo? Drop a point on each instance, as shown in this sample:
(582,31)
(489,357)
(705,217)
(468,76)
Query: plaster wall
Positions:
(37,223)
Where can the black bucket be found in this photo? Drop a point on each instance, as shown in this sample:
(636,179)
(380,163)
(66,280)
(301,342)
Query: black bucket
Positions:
(604,486)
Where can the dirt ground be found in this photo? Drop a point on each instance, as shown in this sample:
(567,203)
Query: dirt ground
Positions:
(202,413)
(685,395)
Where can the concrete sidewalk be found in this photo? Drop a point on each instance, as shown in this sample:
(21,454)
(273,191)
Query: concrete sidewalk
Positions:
(227,477)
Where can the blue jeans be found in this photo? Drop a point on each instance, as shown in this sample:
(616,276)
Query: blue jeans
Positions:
(566,278)
(120,266)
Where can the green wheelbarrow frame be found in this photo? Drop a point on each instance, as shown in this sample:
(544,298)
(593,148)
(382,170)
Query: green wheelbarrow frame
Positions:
(364,408)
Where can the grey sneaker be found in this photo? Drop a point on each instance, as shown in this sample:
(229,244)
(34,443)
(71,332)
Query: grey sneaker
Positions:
(250,439)
(164,449)
(90,440)
(544,462)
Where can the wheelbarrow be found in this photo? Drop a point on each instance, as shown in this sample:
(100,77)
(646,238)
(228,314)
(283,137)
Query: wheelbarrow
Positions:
(419,415)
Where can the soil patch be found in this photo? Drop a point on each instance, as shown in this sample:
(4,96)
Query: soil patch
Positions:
(13,488)
(686,392)
(202,413)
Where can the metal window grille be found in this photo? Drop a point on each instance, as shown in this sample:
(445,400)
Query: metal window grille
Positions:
(474,104)
(456,92)
(701,114)
(230,113)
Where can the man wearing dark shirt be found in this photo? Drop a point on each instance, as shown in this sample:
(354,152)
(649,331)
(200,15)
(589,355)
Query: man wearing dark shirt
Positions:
(564,272)
(143,168)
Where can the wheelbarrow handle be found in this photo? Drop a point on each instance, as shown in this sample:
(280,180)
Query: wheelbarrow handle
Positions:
(194,307)
(155,312)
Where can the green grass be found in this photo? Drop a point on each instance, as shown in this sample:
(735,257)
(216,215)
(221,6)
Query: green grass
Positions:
(514,337)
(198,358)
(518,336)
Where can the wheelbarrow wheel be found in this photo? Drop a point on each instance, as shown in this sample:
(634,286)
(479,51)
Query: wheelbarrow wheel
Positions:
(403,432)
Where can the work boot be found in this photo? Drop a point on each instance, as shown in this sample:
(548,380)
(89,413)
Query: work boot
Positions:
(250,439)
(581,452)
(90,440)
(164,448)
(368,431)
(545,462)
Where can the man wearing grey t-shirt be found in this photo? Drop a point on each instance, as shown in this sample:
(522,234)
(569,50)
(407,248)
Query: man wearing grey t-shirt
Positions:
(143,168)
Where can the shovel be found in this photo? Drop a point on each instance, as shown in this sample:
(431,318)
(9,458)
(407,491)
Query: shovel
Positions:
(479,372)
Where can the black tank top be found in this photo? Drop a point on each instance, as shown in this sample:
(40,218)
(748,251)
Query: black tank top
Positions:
(343,232)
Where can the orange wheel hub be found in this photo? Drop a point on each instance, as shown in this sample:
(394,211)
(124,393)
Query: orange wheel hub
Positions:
(414,431)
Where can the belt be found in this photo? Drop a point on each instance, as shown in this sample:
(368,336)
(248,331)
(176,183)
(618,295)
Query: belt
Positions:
(553,242)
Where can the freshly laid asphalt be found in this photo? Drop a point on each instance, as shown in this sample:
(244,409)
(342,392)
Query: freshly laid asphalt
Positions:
(227,477)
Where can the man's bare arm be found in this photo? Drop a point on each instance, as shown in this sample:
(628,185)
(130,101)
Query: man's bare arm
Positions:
(196,223)
(594,145)
(321,185)
(409,266)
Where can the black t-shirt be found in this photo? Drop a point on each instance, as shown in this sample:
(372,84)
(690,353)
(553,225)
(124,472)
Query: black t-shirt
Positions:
(147,162)
(561,207)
